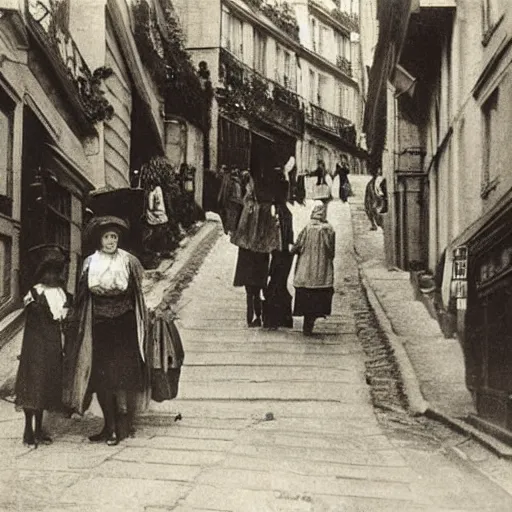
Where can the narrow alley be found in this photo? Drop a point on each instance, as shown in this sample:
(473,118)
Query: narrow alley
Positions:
(270,421)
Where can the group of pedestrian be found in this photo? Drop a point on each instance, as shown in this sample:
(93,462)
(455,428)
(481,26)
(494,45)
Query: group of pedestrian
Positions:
(266,250)
(96,343)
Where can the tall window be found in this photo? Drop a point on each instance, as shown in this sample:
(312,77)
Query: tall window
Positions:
(340,104)
(342,46)
(490,142)
(232,34)
(260,52)
(6,141)
(288,77)
(323,40)
(312,30)
(312,87)
(323,91)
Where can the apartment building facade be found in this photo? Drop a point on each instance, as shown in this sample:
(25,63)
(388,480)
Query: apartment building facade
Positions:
(283,80)
(444,149)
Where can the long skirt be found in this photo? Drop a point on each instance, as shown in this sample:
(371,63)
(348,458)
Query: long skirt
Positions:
(315,302)
(116,360)
(39,378)
(251,268)
(277,308)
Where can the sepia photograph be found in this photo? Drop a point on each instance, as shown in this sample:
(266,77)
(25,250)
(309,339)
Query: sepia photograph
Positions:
(255,256)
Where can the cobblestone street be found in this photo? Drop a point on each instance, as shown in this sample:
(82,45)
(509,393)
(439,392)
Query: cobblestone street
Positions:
(270,421)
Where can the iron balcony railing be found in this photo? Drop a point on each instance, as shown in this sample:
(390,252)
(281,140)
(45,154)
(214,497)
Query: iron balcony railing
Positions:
(344,64)
(331,123)
(249,93)
(48,18)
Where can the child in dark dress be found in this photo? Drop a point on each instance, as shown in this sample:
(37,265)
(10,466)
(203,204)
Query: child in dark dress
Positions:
(39,378)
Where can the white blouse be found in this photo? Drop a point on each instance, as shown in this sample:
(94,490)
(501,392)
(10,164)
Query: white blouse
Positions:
(109,274)
(55,296)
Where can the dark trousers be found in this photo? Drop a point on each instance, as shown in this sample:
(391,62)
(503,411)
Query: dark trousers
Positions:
(252,294)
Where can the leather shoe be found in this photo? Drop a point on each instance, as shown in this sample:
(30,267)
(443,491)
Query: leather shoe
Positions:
(113,439)
(43,438)
(100,437)
(28,437)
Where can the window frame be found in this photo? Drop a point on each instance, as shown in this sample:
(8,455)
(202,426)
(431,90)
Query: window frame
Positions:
(488,107)
(259,50)
(7,108)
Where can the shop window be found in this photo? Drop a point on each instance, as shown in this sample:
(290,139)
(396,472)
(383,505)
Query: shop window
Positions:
(6,142)
(235,145)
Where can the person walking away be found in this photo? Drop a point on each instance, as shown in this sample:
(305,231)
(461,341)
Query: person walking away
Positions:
(314,269)
(39,379)
(342,171)
(277,308)
(108,355)
(257,235)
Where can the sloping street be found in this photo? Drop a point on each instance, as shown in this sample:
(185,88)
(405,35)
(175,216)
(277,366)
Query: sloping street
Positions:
(270,421)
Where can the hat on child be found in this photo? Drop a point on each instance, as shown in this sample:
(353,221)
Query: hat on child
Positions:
(47,255)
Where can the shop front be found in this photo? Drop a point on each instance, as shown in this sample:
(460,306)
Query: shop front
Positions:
(488,322)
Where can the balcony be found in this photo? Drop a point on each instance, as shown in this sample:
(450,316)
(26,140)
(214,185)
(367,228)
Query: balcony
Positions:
(47,21)
(249,94)
(349,21)
(331,123)
(344,64)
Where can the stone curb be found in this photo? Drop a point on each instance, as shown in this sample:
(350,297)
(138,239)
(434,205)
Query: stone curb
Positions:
(417,404)
(157,283)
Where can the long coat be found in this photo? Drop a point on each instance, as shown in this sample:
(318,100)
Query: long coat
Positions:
(78,350)
(39,378)
(315,248)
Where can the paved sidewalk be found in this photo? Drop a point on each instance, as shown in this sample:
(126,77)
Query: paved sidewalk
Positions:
(437,362)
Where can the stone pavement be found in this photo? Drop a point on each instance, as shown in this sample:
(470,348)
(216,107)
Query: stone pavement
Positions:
(271,421)
(437,362)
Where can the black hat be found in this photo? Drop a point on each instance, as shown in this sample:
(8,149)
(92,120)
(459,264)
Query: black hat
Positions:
(99,225)
(47,255)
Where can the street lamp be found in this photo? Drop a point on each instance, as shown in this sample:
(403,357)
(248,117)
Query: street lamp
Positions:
(189,179)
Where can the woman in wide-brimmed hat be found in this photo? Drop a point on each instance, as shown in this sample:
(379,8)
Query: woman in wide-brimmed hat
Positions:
(39,379)
(108,353)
